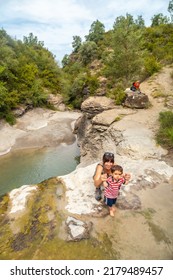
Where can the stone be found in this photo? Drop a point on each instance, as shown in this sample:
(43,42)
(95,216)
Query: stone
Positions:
(136,100)
(77,230)
(96,104)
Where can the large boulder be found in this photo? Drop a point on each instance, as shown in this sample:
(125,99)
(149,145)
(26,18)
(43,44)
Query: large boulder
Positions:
(136,100)
(97,104)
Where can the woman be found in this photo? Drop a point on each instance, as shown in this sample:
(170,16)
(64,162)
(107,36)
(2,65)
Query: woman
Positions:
(102,172)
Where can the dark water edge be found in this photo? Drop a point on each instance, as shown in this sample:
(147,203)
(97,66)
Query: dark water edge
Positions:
(25,167)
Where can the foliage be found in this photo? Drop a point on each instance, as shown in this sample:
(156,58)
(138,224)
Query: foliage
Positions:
(151,65)
(83,86)
(125,59)
(170,9)
(159,19)
(96,32)
(118,94)
(129,51)
(28,72)
(159,43)
(77,41)
(88,52)
(165,133)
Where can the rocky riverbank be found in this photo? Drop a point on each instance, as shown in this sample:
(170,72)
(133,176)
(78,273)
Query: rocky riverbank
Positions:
(61,210)
(38,128)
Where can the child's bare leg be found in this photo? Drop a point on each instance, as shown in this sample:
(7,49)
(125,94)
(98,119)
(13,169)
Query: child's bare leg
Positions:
(113,208)
(111,211)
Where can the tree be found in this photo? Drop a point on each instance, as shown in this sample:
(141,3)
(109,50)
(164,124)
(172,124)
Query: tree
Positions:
(88,51)
(170,9)
(77,41)
(140,22)
(126,58)
(159,19)
(96,32)
(65,60)
(32,40)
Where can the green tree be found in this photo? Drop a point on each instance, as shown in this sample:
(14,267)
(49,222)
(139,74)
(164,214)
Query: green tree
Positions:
(159,19)
(140,22)
(32,40)
(65,60)
(77,42)
(170,9)
(125,59)
(88,52)
(96,32)
(159,43)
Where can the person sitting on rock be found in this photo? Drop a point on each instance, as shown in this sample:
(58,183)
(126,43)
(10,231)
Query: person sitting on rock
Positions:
(112,186)
(136,87)
(102,172)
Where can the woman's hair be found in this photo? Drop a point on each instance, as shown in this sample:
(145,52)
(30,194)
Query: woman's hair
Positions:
(116,167)
(108,157)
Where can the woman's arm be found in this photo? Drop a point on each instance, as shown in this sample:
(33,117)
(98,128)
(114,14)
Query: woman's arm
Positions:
(99,177)
(105,184)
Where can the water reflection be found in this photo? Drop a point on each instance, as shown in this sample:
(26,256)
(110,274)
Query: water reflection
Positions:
(33,166)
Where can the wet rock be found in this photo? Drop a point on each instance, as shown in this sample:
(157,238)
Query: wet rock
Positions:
(130,201)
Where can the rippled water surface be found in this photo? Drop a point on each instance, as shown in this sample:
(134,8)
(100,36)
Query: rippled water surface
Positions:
(33,166)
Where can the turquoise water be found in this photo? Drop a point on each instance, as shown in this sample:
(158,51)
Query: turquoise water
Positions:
(24,167)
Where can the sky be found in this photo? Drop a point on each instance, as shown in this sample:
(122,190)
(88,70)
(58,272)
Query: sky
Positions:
(55,22)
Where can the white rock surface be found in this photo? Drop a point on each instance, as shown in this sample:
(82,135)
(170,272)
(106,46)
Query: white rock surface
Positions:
(19,197)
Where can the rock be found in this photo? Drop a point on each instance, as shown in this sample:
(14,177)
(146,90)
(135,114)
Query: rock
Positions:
(21,110)
(106,118)
(131,201)
(56,101)
(96,104)
(137,142)
(169,102)
(136,100)
(80,190)
(19,197)
(77,230)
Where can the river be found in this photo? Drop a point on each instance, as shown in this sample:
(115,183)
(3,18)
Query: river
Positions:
(24,167)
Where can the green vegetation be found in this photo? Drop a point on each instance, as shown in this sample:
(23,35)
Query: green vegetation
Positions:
(129,51)
(39,231)
(165,133)
(28,73)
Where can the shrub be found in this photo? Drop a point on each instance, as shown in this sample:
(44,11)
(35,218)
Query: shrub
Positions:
(165,133)
(118,94)
(151,66)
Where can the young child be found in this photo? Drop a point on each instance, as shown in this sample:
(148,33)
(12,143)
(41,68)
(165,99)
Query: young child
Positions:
(136,87)
(112,186)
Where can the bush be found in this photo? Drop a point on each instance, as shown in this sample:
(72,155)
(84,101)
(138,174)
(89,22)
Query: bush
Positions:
(165,134)
(118,94)
(151,66)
